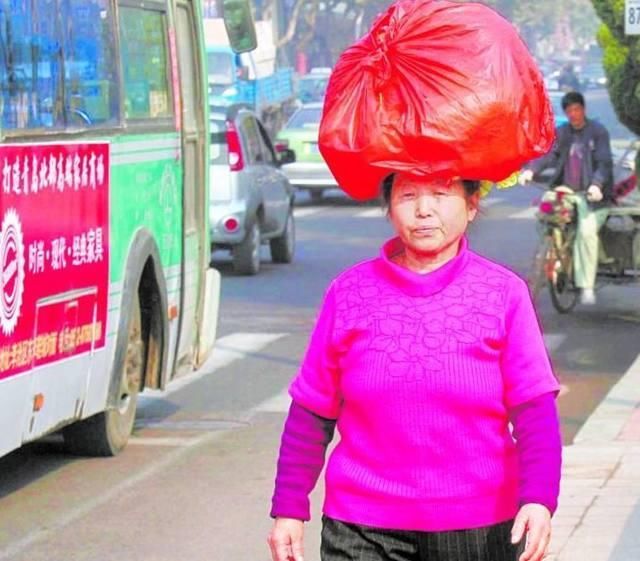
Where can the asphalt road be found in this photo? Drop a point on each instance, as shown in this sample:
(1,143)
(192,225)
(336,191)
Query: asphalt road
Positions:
(195,481)
(599,107)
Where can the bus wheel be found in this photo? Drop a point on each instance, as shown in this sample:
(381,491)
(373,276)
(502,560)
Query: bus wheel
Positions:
(107,433)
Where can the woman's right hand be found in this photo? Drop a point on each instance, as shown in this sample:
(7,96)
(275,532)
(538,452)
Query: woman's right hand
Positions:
(285,539)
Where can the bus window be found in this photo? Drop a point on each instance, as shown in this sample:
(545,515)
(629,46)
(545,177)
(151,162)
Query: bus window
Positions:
(30,64)
(36,50)
(145,64)
(90,81)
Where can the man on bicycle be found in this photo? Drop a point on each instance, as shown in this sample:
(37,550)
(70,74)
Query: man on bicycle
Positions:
(582,160)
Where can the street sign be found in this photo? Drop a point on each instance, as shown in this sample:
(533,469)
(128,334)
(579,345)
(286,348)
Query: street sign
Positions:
(632,17)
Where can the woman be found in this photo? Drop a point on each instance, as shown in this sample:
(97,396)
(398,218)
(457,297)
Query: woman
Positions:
(423,357)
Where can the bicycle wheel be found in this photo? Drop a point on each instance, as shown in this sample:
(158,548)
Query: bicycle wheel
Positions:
(564,295)
(538,277)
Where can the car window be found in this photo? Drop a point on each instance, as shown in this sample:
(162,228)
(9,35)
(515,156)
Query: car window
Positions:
(312,88)
(219,152)
(267,147)
(220,68)
(251,134)
(307,117)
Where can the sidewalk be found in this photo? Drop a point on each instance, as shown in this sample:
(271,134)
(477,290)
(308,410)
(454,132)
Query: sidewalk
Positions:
(599,514)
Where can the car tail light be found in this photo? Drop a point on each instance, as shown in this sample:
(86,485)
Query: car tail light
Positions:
(231,224)
(236,161)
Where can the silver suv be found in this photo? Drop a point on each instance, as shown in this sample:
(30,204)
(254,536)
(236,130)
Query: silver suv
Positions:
(251,200)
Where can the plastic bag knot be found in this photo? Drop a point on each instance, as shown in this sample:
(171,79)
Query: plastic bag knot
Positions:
(378,62)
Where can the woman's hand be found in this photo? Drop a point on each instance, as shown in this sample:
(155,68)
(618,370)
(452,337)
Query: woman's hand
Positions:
(285,539)
(534,522)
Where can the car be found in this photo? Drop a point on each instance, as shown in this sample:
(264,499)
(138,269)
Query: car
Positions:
(312,86)
(593,76)
(251,199)
(309,172)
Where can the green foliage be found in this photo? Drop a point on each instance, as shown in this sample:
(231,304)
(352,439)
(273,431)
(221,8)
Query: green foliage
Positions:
(611,12)
(621,62)
(615,53)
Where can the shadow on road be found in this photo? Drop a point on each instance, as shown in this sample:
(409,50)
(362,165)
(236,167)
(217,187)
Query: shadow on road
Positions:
(32,462)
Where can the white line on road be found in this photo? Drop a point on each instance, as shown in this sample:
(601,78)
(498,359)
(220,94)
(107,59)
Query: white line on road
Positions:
(553,341)
(371,213)
(608,420)
(307,211)
(227,350)
(66,519)
(484,203)
(526,214)
(169,441)
(279,403)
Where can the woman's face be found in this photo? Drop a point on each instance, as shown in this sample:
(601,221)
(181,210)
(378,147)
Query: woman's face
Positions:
(430,216)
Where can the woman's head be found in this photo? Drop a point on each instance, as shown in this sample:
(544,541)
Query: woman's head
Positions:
(430,216)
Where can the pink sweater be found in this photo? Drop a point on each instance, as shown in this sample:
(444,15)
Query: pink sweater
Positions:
(421,372)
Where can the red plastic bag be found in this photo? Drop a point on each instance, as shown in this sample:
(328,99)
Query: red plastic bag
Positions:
(435,88)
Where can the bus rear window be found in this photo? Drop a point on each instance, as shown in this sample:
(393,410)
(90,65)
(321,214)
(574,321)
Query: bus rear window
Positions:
(58,66)
(145,68)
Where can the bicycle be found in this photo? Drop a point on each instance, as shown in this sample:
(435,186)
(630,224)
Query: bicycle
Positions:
(553,261)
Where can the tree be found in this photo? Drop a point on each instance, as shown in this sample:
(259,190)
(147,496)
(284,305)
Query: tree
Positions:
(621,63)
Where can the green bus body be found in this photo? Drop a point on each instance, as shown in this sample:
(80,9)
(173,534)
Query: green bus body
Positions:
(162,301)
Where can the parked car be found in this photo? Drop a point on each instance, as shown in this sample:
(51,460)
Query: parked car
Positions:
(309,171)
(251,200)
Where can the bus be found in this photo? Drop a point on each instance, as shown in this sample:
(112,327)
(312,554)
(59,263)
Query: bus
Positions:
(105,284)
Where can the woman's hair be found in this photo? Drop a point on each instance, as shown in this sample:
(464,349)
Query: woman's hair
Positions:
(471,187)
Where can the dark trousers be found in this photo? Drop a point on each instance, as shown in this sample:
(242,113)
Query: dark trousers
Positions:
(350,542)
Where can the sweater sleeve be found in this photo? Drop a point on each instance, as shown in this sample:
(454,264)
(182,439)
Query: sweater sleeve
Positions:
(302,451)
(316,386)
(536,429)
(525,364)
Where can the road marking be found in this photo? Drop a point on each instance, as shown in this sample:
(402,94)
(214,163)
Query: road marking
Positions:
(526,214)
(484,203)
(279,403)
(371,213)
(608,421)
(169,441)
(307,211)
(227,350)
(65,519)
(553,341)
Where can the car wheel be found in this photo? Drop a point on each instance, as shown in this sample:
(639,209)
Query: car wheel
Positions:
(316,195)
(246,255)
(283,247)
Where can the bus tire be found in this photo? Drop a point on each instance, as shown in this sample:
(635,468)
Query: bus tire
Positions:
(107,433)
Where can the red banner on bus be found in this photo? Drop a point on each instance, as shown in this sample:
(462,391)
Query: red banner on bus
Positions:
(54,252)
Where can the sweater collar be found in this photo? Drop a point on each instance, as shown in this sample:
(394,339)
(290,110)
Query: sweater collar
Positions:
(416,284)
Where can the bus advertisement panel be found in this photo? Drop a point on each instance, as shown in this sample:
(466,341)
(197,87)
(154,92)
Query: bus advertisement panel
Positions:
(54,252)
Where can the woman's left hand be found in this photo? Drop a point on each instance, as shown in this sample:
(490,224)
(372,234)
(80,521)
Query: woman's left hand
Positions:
(534,522)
